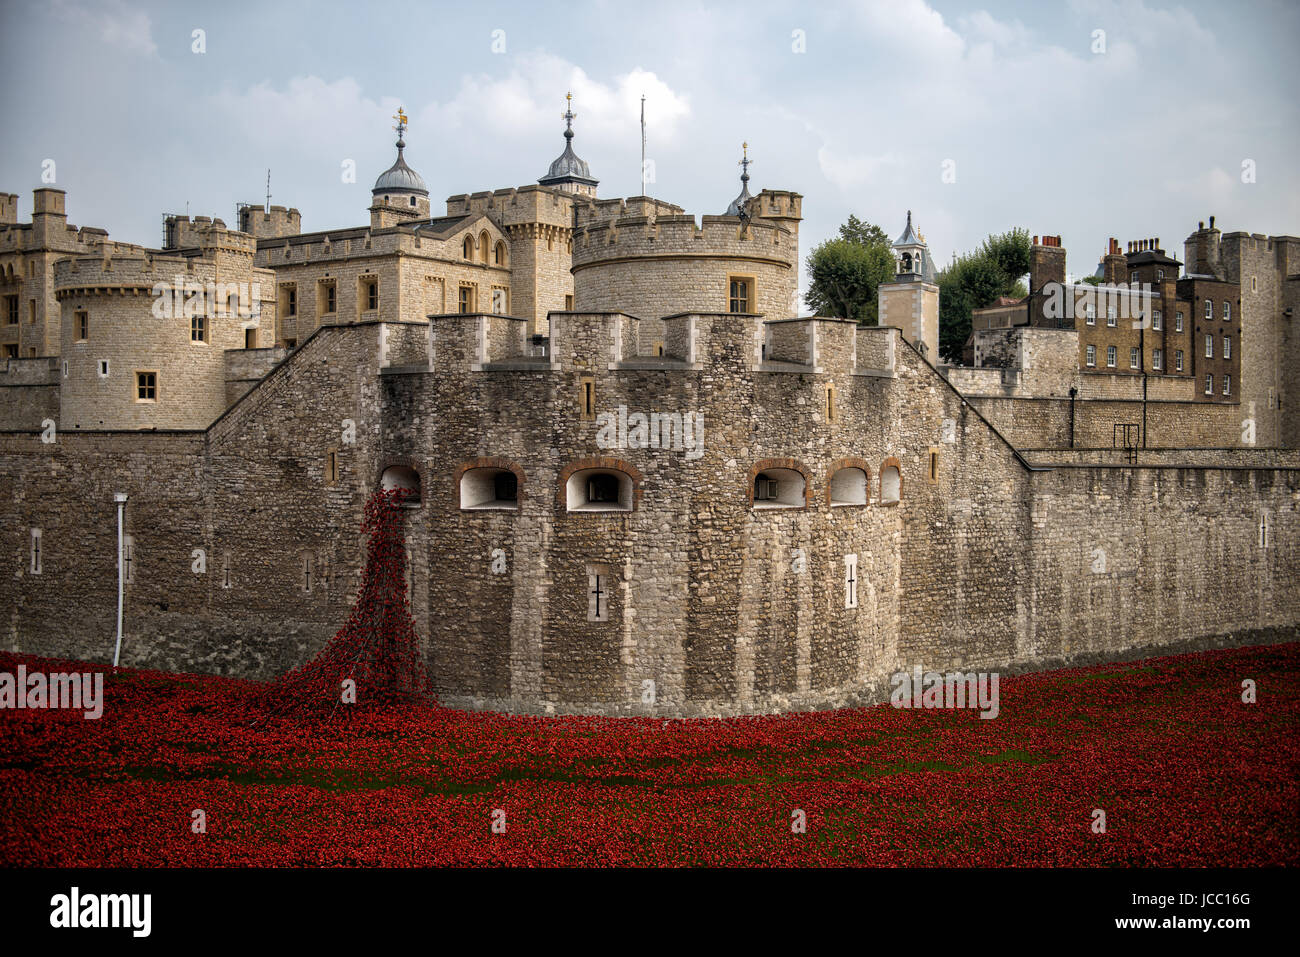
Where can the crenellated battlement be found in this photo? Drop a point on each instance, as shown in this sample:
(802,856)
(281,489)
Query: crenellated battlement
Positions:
(640,234)
(607,210)
(521,204)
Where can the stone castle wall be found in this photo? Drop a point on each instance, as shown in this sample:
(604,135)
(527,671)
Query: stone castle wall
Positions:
(723,606)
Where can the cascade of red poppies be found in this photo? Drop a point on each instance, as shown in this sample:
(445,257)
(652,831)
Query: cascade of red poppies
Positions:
(377,650)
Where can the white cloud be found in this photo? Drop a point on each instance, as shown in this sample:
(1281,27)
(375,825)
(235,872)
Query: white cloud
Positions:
(118,24)
(849,170)
(530,98)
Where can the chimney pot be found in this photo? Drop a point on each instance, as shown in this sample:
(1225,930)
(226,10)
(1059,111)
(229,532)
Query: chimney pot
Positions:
(1211,222)
(1200,225)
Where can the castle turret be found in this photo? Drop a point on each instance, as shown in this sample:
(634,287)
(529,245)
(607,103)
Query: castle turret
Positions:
(568,173)
(400,194)
(910,300)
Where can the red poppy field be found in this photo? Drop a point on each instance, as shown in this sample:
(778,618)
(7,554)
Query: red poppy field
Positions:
(1186,773)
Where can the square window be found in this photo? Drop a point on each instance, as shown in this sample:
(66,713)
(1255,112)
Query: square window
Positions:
(198,329)
(146,386)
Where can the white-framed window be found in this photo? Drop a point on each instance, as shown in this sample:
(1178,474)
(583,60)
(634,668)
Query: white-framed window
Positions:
(891,485)
(849,487)
(850,581)
(1160,274)
(1090,314)
(1133,278)
(489,488)
(1227,311)
(1157,322)
(1209,309)
(1092,356)
(1227,347)
(779,488)
(1112,356)
(1209,347)
(1133,358)
(1157,359)
(599,490)
(1110,316)
(1227,384)
(1209,385)
(1178,360)
(1178,322)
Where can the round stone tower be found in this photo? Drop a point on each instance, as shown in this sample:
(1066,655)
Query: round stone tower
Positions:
(648,259)
(143,337)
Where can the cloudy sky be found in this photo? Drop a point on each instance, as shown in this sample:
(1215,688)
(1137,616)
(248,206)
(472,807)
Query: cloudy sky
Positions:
(1036,118)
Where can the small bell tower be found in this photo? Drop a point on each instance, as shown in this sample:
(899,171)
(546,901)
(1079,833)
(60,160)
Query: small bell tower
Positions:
(910,300)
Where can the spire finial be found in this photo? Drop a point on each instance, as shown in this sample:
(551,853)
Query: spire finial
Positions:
(400,127)
(568,115)
(744,163)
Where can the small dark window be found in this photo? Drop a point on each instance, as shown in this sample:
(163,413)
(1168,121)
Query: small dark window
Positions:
(602,488)
(506,487)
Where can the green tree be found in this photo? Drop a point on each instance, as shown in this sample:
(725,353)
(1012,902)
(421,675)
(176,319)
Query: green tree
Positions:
(977,280)
(864,233)
(846,272)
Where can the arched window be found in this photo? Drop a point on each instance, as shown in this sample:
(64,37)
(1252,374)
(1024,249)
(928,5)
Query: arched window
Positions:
(489,488)
(467,248)
(849,485)
(412,200)
(775,486)
(402,476)
(891,483)
(907,262)
(599,490)
(500,256)
(483,244)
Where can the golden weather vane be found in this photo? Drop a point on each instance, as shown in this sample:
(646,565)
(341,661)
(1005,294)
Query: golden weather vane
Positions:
(401,121)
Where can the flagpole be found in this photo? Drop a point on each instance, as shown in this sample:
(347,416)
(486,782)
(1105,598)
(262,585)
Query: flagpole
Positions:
(642,144)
